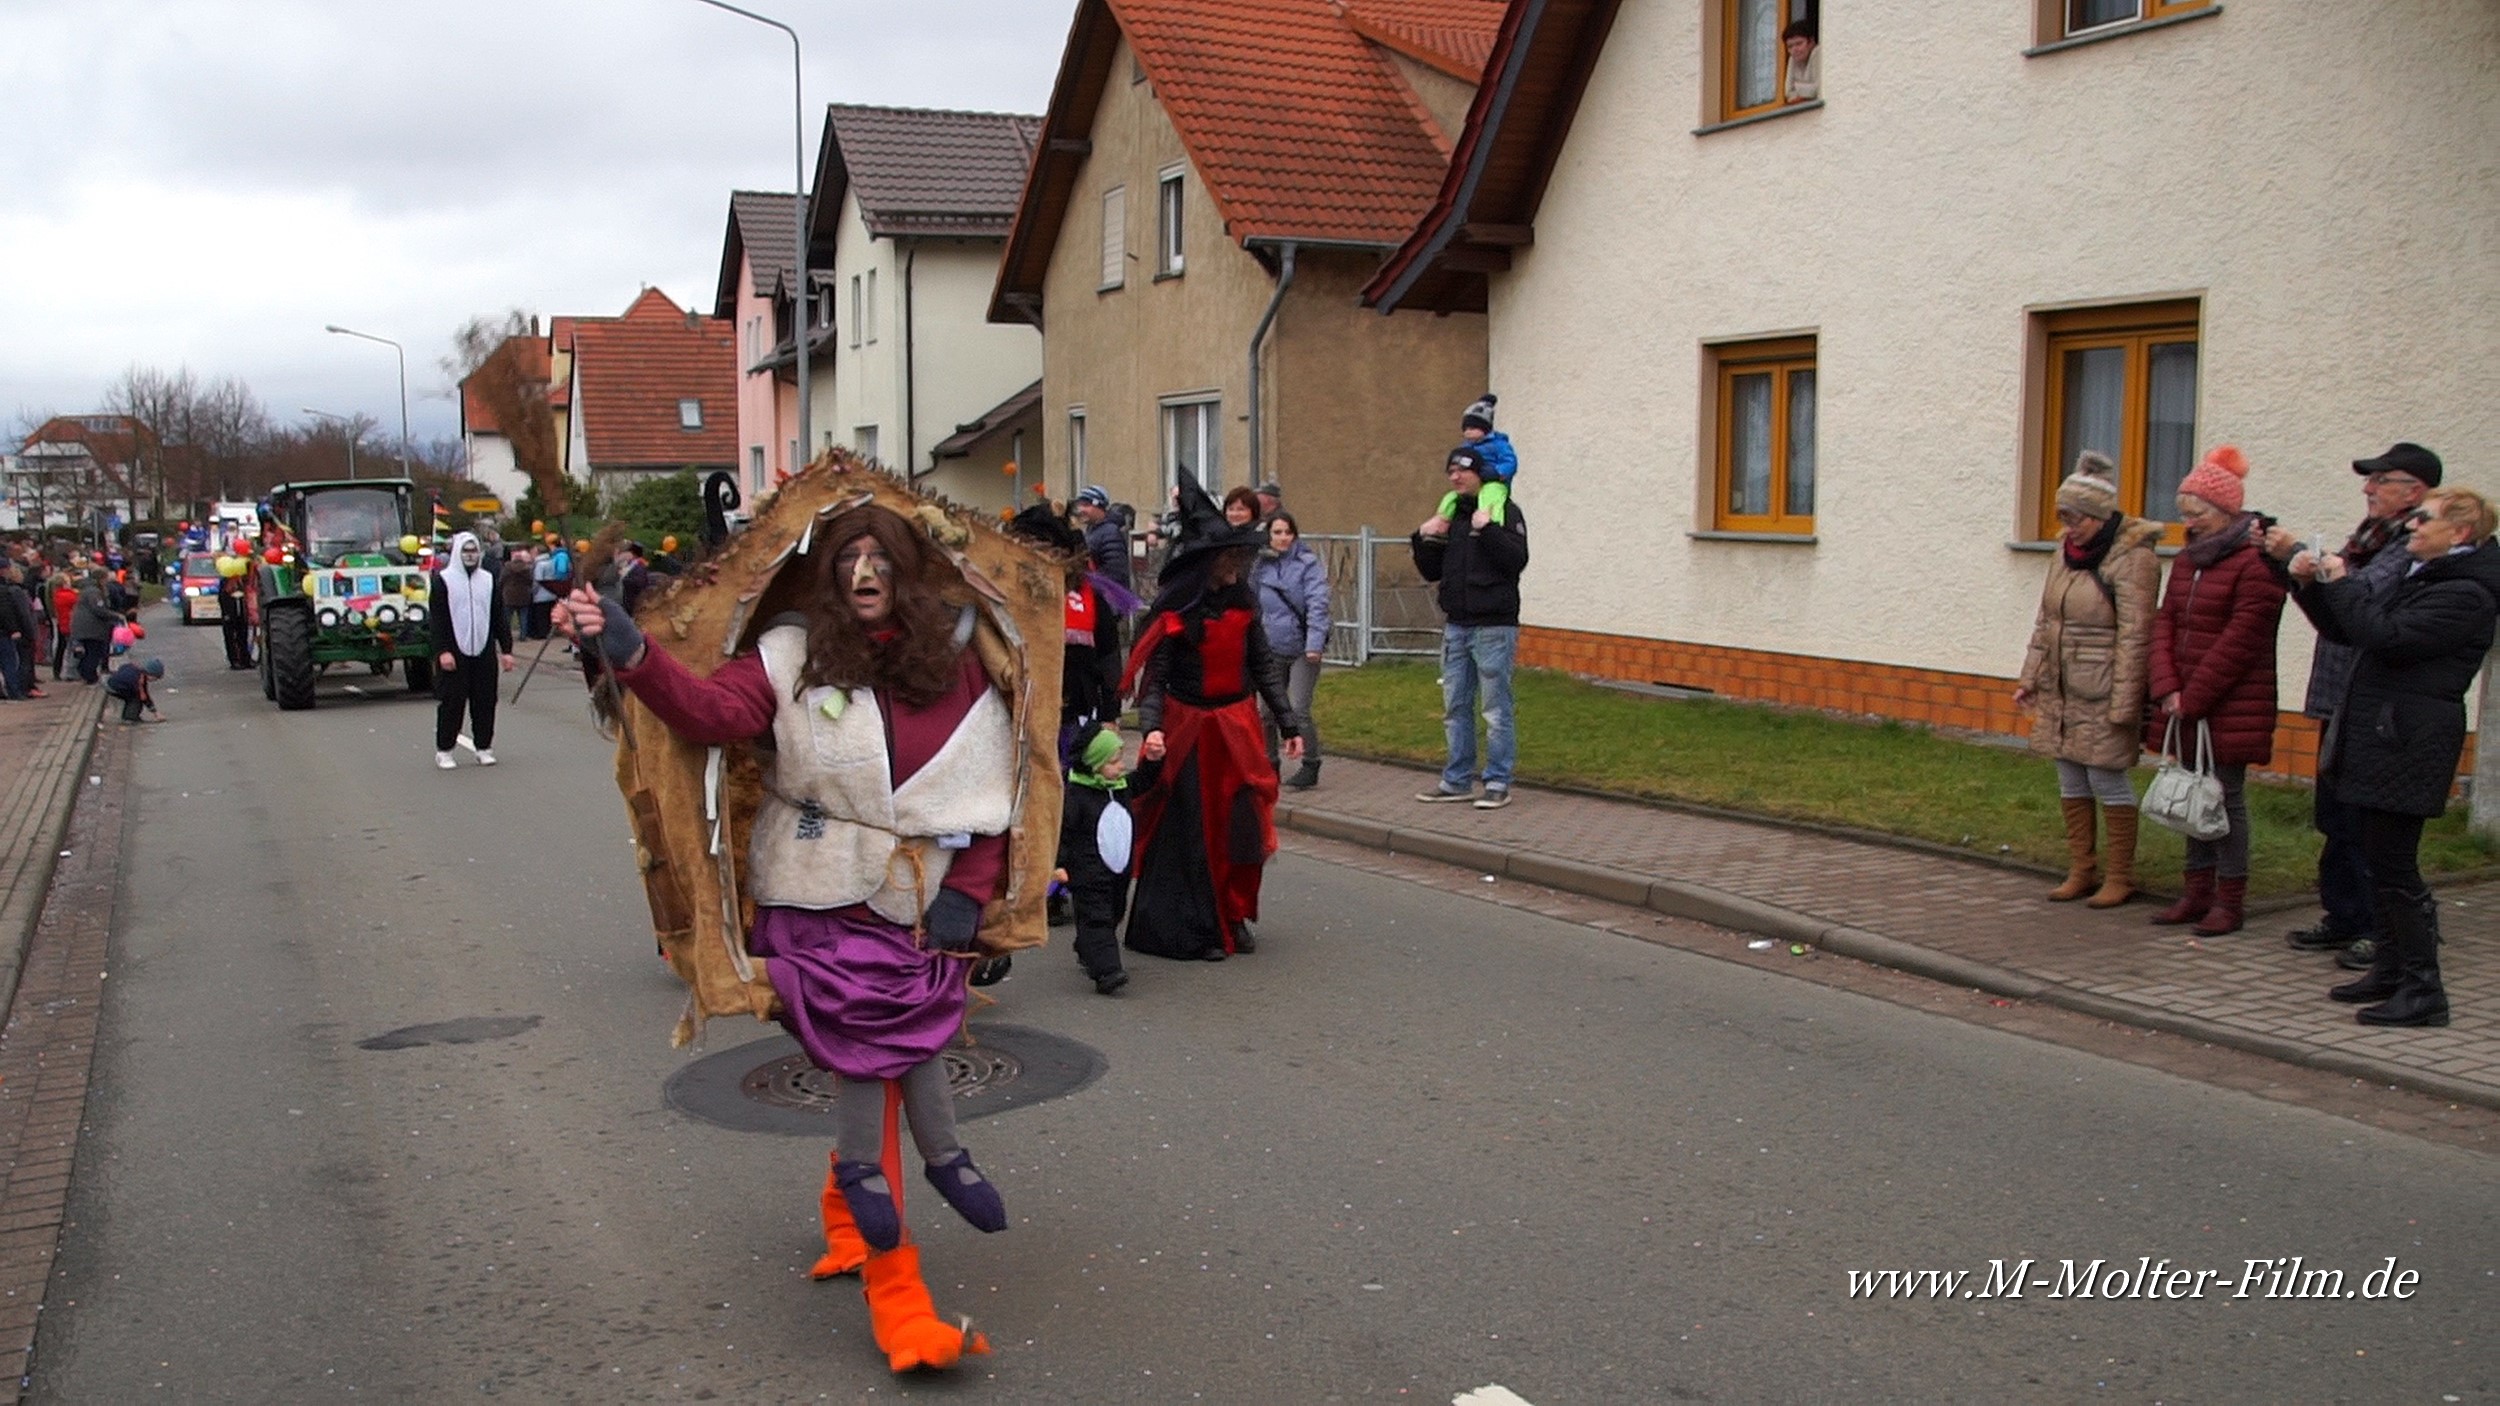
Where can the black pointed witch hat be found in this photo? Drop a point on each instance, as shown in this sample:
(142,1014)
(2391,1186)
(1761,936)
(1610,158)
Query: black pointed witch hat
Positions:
(1204,531)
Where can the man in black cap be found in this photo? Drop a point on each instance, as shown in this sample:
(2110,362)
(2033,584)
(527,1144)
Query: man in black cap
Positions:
(1271,500)
(2393,485)
(1475,555)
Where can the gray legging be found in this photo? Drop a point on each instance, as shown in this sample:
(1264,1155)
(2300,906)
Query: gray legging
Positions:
(2228,855)
(2106,784)
(928,1107)
(1301,683)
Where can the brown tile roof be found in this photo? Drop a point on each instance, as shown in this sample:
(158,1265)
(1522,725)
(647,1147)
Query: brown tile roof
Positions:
(634,369)
(967,438)
(1454,36)
(531,354)
(762,229)
(1299,128)
(921,170)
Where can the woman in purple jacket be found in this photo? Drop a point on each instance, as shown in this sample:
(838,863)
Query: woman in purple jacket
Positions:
(1292,586)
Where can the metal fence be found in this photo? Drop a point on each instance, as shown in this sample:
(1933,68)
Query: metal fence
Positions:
(1379,604)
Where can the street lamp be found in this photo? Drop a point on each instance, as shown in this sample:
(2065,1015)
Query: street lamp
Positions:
(798,168)
(352,429)
(403,386)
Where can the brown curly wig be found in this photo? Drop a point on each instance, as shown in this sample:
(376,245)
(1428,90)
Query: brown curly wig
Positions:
(917,664)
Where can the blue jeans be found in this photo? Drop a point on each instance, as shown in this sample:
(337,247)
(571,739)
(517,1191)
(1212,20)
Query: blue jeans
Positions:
(1475,664)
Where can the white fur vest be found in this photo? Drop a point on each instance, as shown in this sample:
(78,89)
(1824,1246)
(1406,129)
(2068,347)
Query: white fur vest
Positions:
(833,829)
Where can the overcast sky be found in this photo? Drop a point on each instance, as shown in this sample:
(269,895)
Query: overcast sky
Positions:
(209,182)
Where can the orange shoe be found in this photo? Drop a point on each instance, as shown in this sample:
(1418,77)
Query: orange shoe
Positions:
(845,1251)
(904,1320)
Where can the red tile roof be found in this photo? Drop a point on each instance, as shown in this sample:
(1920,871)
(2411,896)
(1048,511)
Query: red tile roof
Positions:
(633,371)
(1454,36)
(1299,127)
(531,354)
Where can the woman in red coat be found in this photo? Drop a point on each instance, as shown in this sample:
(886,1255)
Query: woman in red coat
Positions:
(2213,664)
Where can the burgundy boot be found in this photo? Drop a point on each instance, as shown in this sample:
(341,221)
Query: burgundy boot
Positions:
(2194,900)
(2230,898)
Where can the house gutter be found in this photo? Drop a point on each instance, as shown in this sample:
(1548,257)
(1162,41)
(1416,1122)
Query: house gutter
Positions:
(911,399)
(1267,319)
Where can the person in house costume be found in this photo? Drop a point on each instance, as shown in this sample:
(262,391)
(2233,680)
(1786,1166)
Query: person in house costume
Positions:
(1098,844)
(471,641)
(879,839)
(1200,664)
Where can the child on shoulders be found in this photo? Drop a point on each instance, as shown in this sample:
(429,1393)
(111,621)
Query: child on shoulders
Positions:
(1501,461)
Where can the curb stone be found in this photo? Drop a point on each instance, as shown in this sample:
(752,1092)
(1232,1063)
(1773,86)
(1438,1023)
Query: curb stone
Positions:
(1720,908)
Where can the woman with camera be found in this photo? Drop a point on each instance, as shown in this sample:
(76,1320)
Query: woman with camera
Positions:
(2392,753)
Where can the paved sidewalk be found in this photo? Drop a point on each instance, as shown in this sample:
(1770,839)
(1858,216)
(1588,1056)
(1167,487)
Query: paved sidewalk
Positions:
(44,742)
(1967,922)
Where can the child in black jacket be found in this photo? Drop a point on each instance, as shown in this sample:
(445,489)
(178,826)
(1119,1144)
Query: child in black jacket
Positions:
(129,683)
(1098,847)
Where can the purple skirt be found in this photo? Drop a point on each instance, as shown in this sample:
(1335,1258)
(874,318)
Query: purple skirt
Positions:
(856,994)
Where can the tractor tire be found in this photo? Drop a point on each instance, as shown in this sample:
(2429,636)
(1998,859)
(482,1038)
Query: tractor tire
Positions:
(268,680)
(291,667)
(420,674)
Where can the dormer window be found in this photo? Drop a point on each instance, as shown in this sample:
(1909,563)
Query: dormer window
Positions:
(690,414)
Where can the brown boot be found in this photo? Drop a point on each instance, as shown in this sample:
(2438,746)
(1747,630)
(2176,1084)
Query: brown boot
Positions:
(2230,900)
(2118,881)
(2198,896)
(2081,874)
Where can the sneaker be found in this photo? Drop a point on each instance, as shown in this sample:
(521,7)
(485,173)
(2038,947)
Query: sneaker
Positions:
(1438,794)
(2359,955)
(1110,985)
(1494,798)
(445,760)
(2322,936)
(485,756)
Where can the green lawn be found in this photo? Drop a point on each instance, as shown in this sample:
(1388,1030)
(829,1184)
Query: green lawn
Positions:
(1889,777)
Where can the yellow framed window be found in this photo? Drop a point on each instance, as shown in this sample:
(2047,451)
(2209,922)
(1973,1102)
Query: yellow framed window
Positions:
(1753,65)
(2122,381)
(2086,15)
(1766,437)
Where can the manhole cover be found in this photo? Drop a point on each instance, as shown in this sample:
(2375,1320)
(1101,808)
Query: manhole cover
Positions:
(768,1086)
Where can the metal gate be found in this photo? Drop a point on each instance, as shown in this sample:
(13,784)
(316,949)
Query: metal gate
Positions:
(1378,603)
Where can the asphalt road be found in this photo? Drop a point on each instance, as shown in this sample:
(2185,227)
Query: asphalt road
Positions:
(1415,1146)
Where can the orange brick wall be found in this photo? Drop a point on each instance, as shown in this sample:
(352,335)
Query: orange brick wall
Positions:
(1978,702)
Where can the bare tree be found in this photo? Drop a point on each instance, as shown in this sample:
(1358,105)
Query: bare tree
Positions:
(487,357)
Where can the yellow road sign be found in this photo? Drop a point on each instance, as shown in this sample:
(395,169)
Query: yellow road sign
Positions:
(481,505)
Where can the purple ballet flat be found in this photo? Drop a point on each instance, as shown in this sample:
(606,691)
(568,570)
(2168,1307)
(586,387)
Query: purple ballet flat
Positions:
(872,1210)
(970,1193)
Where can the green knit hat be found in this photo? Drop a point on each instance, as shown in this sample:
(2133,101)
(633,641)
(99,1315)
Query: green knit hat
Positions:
(1102,747)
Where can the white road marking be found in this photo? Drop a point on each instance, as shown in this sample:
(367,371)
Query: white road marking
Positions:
(1491,1394)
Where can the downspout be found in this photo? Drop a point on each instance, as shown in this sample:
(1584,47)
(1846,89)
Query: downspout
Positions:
(911,401)
(1284,282)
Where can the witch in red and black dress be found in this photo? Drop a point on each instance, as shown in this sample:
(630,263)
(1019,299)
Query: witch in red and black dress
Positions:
(1200,664)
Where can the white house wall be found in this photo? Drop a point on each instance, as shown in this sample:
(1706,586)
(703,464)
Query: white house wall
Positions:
(964,365)
(2326,178)
(862,384)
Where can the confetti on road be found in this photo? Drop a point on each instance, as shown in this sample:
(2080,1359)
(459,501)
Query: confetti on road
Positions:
(1493,1394)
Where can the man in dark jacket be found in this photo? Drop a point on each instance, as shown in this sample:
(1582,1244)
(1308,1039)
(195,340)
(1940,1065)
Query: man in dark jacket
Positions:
(2393,485)
(1105,541)
(1477,561)
(2400,728)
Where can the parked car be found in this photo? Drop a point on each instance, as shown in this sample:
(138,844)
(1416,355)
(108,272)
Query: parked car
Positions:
(199,589)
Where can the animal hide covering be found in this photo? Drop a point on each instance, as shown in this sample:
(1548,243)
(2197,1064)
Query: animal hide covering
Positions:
(692,808)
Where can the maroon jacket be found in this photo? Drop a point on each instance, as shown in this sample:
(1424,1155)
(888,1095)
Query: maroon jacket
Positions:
(2213,645)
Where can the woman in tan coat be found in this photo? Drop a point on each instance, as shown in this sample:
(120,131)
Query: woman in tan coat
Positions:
(2085,675)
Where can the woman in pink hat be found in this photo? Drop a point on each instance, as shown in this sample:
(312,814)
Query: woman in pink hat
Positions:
(2213,664)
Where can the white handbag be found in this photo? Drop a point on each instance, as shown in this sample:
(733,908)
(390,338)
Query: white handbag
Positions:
(2184,799)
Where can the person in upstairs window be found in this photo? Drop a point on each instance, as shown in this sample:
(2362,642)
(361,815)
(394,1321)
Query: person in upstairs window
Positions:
(1804,76)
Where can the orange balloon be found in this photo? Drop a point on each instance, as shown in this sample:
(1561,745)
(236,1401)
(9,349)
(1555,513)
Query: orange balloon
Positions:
(538,526)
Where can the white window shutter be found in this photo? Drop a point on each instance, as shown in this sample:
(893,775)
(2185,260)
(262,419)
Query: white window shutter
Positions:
(1115,236)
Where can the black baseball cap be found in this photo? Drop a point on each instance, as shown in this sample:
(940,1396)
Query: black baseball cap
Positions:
(2403,458)
(1465,457)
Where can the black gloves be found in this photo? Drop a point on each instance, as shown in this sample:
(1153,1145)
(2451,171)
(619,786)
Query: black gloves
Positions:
(620,639)
(952,921)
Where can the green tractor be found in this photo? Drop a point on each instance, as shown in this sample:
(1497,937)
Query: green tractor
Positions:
(337,584)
